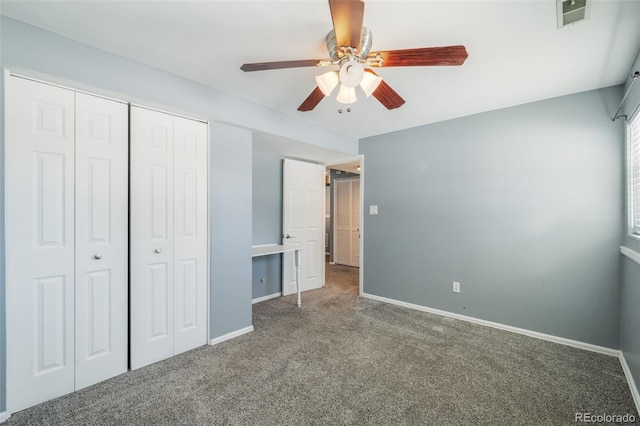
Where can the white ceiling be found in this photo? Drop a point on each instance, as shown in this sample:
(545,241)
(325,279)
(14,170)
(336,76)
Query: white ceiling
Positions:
(516,53)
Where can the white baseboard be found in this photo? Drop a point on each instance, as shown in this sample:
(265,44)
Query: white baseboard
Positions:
(537,335)
(632,384)
(4,416)
(267,297)
(231,335)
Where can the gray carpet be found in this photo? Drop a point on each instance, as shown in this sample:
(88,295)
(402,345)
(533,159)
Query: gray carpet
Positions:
(341,359)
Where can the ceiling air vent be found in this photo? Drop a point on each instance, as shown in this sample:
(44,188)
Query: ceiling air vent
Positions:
(572,11)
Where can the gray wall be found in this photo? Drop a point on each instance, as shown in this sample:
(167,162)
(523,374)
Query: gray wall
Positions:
(231,216)
(523,206)
(629,310)
(269,268)
(267,220)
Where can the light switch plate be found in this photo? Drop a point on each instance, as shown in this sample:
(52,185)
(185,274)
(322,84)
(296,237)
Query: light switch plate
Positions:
(373,209)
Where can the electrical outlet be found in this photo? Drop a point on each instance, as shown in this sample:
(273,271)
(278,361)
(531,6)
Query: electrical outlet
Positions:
(456,287)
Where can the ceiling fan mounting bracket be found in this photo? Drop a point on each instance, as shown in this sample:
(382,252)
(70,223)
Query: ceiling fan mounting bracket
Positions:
(351,54)
(375,61)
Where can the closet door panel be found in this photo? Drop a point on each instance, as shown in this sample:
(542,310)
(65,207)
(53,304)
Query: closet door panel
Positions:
(342,221)
(101,239)
(39,242)
(151,235)
(190,234)
(347,222)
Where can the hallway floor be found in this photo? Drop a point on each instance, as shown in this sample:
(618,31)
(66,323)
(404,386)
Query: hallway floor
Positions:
(344,279)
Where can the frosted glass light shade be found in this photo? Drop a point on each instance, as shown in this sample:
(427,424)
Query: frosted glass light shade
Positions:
(351,73)
(346,95)
(370,83)
(327,82)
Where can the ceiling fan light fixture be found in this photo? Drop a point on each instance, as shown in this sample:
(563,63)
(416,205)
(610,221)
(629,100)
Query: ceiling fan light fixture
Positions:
(370,83)
(351,73)
(327,82)
(349,47)
(346,95)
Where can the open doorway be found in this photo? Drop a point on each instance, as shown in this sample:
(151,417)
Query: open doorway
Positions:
(267,204)
(343,220)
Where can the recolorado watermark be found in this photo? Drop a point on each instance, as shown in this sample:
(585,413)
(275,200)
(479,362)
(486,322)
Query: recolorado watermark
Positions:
(604,418)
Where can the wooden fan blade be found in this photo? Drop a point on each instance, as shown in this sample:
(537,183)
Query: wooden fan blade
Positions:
(261,66)
(312,100)
(386,95)
(347,16)
(426,56)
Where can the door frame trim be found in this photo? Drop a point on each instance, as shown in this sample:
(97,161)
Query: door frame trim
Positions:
(359,157)
(334,213)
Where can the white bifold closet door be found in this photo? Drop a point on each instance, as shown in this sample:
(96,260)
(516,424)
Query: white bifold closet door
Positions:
(101,297)
(168,235)
(66,240)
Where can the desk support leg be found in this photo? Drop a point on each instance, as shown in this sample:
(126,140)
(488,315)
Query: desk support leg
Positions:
(297,260)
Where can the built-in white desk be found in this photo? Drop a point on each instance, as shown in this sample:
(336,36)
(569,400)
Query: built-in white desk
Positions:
(267,249)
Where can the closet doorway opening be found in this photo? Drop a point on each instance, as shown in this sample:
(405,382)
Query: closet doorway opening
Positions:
(343,225)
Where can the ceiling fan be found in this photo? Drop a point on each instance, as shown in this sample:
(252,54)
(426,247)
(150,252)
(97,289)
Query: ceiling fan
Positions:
(349,46)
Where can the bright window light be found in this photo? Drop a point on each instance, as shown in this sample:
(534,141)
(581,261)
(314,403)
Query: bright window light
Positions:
(633,162)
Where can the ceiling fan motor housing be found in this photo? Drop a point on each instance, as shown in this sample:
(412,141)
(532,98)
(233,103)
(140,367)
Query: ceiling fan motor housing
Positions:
(335,51)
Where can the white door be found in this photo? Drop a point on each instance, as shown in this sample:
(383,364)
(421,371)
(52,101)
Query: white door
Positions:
(40,242)
(190,234)
(355,222)
(347,221)
(303,224)
(151,236)
(168,232)
(101,274)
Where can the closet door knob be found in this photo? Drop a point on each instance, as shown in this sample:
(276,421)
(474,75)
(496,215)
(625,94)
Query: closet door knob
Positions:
(97,257)
(158,250)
